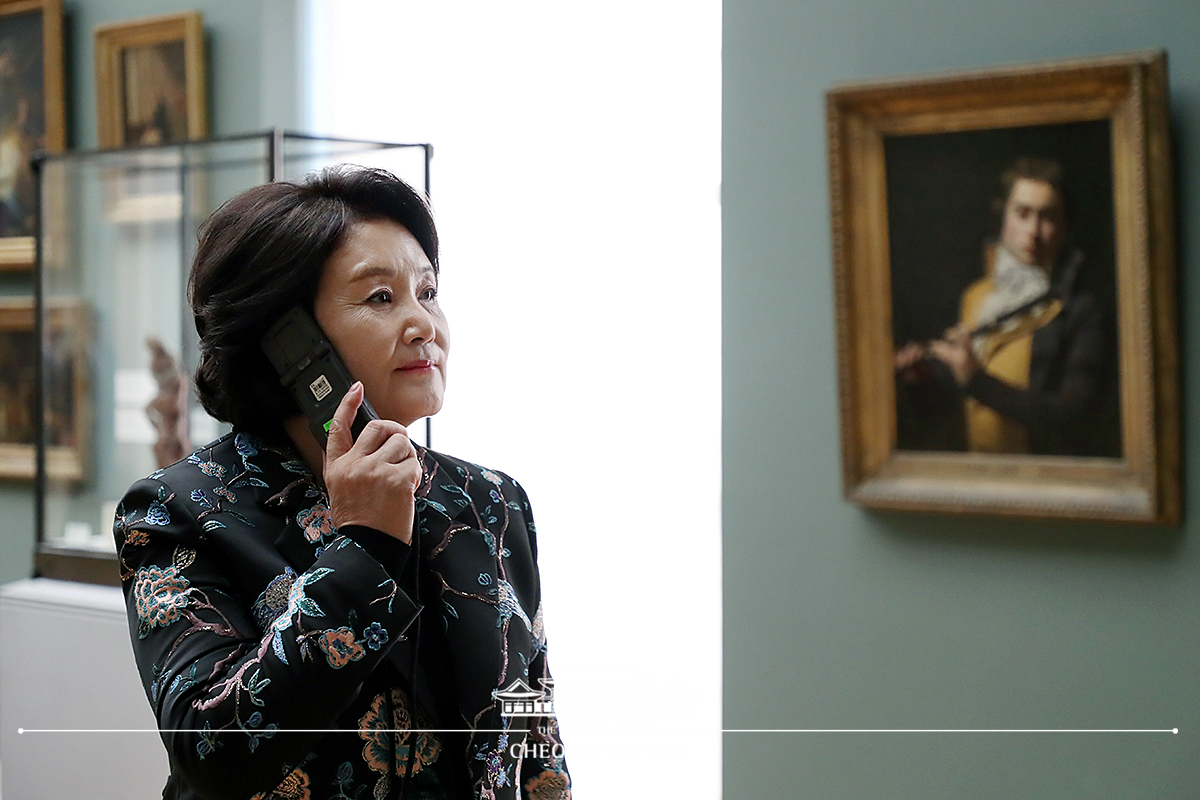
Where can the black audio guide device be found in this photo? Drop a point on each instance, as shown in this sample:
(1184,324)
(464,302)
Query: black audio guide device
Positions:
(312,371)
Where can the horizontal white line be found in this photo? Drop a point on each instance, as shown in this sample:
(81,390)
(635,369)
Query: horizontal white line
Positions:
(268,732)
(951,730)
(519,730)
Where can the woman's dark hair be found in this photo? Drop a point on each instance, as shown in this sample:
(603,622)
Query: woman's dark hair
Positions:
(261,253)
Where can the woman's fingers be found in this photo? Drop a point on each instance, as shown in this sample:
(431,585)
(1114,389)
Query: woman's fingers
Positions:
(339,439)
(395,448)
(371,480)
(376,433)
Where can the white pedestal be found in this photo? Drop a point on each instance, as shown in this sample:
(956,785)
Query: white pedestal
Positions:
(66,665)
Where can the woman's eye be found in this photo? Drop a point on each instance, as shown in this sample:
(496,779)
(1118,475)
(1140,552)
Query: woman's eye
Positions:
(382,296)
(429,294)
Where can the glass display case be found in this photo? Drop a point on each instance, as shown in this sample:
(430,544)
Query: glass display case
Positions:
(118,345)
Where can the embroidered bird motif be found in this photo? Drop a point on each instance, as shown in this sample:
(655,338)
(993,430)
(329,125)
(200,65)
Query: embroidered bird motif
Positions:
(510,606)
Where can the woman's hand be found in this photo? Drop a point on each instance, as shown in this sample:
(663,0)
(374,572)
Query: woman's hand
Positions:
(957,352)
(371,481)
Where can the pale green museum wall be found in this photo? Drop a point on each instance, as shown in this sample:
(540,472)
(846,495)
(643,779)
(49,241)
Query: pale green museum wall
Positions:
(254,83)
(839,618)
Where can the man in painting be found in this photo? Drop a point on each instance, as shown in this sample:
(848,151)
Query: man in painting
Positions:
(1031,363)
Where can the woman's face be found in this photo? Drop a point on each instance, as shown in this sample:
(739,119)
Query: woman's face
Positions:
(377,303)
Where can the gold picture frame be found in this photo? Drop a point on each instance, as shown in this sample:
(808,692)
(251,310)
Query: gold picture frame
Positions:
(908,160)
(150,81)
(32,116)
(67,408)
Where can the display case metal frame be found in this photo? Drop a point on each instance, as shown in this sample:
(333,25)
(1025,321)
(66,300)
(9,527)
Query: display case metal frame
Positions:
(54,556)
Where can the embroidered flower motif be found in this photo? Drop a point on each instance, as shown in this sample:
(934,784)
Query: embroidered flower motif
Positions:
(377,751)
(274,599)
(212,469)
(137,537)
(246,445)
(495,764)
(375,635)
(159,596)
(552,784)
(221,491)
(491,477)
(208,742)
(494,760)
(294,787)
(340,648)
(429,747)
(317,522)
(157,514)
(382,748)
(496,498)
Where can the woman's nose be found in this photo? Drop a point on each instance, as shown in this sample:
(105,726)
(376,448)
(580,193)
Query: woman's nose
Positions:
(418,324)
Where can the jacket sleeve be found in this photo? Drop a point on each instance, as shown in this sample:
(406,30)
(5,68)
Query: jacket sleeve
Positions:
(543,765)
(1083,364)
(243,687)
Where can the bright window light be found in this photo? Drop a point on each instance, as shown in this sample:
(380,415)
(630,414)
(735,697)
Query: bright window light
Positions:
(576,183)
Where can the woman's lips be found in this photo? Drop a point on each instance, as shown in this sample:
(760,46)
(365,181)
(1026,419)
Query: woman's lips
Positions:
(417,366)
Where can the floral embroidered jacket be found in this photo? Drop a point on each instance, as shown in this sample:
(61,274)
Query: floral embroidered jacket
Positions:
(276,650)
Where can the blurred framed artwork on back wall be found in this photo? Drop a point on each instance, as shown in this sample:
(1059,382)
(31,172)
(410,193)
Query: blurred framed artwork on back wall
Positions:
(1004,272)
(66,402)
(31,116)
(150,82)
(150,90)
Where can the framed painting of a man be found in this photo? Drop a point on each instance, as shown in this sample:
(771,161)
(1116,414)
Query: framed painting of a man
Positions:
(1003,262)
(1028,281)
(31,116)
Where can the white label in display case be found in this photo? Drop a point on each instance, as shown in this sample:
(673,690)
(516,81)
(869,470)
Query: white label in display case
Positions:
(133,389)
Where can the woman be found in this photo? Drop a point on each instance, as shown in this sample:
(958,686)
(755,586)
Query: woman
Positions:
(296,612)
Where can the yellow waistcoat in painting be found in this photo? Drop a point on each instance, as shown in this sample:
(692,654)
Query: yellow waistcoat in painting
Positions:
(1005,354)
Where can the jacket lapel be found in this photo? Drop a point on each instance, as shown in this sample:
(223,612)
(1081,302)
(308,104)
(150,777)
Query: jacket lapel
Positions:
(439,498)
